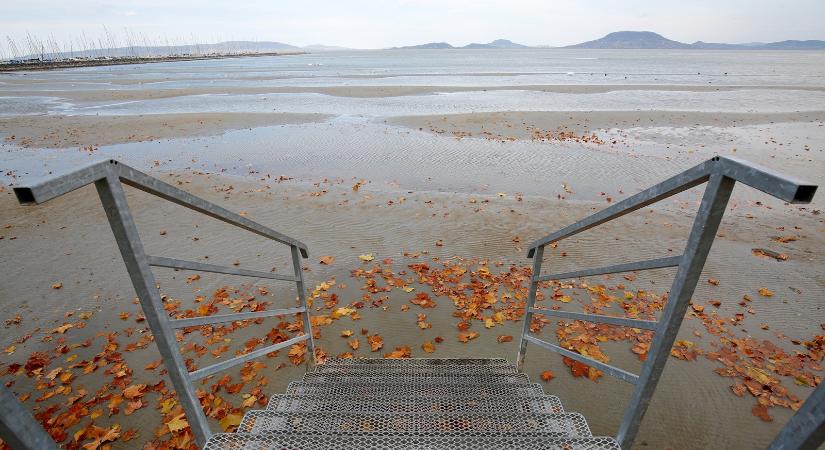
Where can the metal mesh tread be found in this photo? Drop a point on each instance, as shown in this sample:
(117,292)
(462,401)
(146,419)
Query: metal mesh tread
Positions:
(399,388)
(417,424)
(278,441)
(414,361)
(413,378)
(416,404)
(379,369)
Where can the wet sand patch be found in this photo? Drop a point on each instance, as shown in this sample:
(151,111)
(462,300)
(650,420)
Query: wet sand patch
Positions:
(88,131)
(512,125)
(376,91)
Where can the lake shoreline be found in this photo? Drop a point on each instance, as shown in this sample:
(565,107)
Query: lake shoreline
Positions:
(120,61)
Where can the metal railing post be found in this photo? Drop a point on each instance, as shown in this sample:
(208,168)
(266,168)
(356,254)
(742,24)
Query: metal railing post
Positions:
(806,429)
(714,201)
(299,282)
(128,240)
(531,301)
(18,429)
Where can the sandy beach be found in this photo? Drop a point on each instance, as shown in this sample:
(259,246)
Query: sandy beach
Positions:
(407,173)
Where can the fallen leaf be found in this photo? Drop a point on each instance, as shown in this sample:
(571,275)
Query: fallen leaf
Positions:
(761,411)
(62,329)
(230,422)
(428,347)
(376,342)
(466,336)
(327,260)
(765,292)
(134,391)
(547,376)
(367,257)
(177,423)
(765,253)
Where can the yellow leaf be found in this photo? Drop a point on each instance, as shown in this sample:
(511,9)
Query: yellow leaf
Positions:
(62,329)
(249,401)
(341,312)
(408,289)
(167,405)
(230,421)
(428,347)
(765,292)
(367,257)
(178,423)
(10,349)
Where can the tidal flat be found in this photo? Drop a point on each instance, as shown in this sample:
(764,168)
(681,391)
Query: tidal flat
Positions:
(413,158)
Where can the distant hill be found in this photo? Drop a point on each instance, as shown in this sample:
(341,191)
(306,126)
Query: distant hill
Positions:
(498,43)
(632,39)
(794,45)
(427,46)
(651,40)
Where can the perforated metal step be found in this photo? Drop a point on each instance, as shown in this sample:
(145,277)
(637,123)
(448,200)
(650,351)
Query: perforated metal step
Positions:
(379,369)
(413,404)
(396,388)
(419,424)
(415,361)
(278,441)
(417,378)
(416,404)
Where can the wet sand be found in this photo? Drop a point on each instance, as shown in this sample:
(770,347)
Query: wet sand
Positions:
(104,95)
(93,131)
(521,124)
(68,241)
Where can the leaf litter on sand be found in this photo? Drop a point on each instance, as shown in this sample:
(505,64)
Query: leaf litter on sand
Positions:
(484,295)
(79,417)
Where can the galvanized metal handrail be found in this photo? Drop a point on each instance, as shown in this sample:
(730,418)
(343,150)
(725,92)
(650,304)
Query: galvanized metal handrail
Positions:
(109,176)
(18,429)
(720,174)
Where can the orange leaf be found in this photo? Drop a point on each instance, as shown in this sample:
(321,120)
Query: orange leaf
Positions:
(761,411)
(134,391)
(466,336)
(376,342)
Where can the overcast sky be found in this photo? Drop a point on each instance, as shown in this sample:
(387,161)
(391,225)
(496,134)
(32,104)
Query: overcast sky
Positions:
(387,23)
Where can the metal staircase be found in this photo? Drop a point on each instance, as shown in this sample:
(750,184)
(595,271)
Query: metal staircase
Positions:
(417,403)
(413,404)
